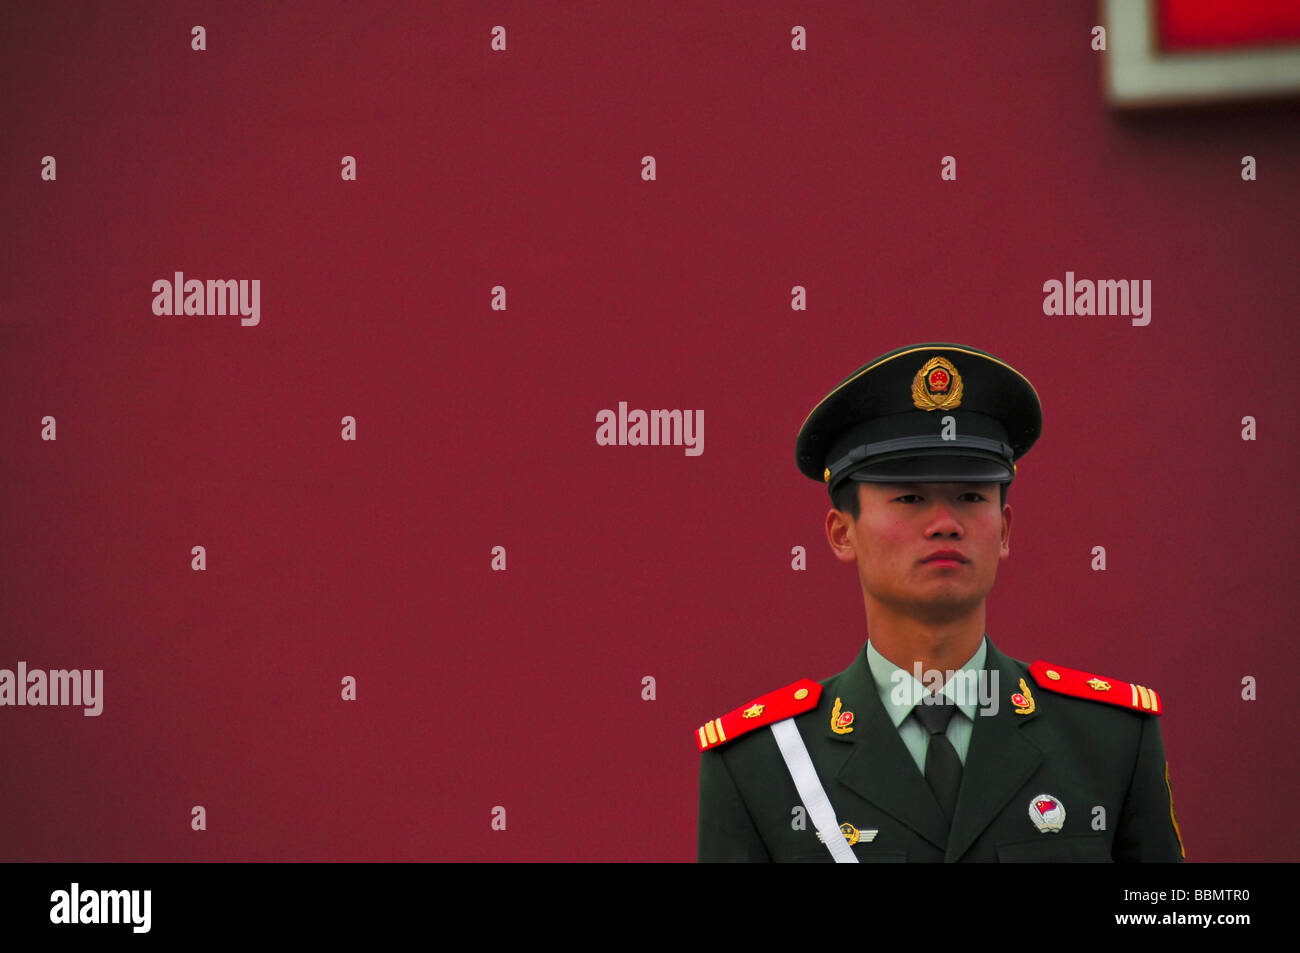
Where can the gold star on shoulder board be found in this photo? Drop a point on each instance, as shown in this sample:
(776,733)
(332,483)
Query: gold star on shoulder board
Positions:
(1097,685)
(753,711)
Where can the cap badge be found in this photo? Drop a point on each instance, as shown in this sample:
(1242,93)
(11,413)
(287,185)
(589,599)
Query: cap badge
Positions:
(1048,813)
(937,385)
(841,721)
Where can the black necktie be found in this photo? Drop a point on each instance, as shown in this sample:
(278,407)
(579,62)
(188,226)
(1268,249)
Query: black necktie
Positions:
(942,766)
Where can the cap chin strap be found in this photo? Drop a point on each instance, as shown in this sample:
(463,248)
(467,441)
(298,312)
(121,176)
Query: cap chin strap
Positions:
(810,789)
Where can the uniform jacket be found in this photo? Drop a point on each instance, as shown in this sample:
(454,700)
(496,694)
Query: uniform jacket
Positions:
(1086,755)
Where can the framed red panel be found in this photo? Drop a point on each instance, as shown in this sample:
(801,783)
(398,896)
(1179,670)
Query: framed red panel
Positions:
(1178,52)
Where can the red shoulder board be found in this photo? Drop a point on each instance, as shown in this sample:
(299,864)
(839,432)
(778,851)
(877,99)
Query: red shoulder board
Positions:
(1097,688)
(794,699)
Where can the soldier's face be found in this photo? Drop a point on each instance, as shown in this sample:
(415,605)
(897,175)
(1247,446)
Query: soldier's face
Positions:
(902,526)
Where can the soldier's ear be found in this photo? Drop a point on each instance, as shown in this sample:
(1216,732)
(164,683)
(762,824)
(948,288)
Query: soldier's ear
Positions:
(839,533)
(1006,532)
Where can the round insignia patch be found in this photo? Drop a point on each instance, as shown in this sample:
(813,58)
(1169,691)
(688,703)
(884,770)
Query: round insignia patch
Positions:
(845,719)
(1047,812)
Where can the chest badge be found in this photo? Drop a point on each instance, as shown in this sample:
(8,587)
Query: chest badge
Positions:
(853,834)
(1047,812)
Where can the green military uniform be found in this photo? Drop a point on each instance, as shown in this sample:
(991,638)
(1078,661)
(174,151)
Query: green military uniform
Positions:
(1084,754)
(1058,765)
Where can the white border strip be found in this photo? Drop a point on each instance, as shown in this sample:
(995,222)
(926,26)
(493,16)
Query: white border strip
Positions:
(811,791)
(1138,74)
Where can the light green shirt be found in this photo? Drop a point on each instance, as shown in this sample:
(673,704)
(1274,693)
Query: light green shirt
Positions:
(900,693)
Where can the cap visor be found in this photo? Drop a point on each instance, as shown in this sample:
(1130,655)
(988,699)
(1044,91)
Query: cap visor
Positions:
(939,468)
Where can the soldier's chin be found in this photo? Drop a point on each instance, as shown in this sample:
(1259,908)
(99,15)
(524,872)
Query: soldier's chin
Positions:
(944,608)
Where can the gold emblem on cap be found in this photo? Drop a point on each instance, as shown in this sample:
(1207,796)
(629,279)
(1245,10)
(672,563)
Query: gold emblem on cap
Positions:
(1053,675)
(801,694)
(753,711)
(937,385)
(1097,685)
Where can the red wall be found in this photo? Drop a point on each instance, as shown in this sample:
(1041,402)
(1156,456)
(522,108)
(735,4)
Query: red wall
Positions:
(476,428)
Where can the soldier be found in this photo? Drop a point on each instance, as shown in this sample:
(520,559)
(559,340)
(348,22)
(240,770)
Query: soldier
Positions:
(933,745)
